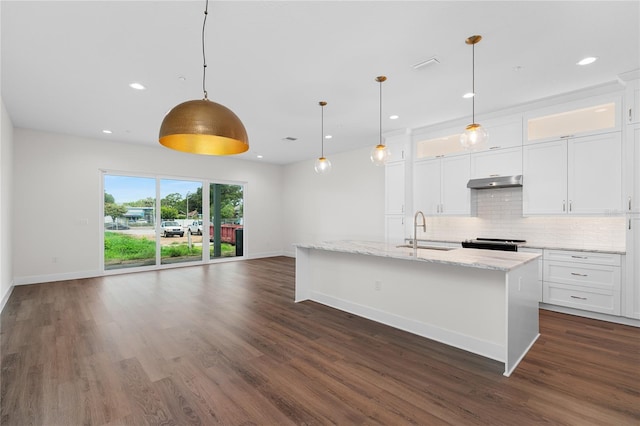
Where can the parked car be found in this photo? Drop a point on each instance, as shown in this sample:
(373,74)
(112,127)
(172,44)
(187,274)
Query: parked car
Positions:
(171,228)
(195,227)
(115,226)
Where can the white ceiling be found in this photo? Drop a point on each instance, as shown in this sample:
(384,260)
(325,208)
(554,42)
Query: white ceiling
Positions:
(66,66)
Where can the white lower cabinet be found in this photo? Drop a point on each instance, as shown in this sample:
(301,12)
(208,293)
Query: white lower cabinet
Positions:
(632,279)
(582,280)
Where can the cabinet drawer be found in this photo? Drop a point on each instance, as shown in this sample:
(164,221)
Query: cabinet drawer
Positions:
(583,257)
(595,276)
(595,300)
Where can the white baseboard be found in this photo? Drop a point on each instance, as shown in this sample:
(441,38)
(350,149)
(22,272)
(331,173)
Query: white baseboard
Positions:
(593,315)
(6,296)
(265,254)
(38,279)
(288,253)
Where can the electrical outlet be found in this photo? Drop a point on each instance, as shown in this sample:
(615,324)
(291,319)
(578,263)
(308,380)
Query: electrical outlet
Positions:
(378,285)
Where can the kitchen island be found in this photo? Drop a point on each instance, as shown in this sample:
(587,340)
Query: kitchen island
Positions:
(482,301)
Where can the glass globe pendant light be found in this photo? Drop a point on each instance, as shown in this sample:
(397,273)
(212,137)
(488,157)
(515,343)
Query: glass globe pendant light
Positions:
(202,126)
(475,136)
(380,154)
(322,165)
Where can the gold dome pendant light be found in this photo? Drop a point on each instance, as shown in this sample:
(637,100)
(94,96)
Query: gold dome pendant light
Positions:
(202,126)
(322,165)
(380,154)
(475,136)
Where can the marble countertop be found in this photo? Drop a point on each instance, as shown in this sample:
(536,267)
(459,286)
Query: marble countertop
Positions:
(539,246)
(472,258)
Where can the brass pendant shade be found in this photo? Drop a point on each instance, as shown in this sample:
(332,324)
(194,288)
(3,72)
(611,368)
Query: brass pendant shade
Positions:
(203,127)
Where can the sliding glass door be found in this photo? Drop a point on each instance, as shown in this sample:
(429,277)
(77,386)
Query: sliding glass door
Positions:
(226,231)
(129,221)
(181,225)
(153,221)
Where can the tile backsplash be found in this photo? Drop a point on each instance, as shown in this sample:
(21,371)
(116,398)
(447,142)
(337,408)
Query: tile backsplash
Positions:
(499,215)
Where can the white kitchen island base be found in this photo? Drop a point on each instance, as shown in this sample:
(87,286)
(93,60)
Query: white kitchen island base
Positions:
(490,312)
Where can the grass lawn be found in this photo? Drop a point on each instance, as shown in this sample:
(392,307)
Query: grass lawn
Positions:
(119,248)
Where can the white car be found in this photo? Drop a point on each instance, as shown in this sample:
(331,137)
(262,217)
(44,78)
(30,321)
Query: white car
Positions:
(195,227)
(171,228)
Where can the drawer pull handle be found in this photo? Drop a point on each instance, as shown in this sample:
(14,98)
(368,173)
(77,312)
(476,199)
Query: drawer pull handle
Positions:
(579,275)
(577,297)
(580,257)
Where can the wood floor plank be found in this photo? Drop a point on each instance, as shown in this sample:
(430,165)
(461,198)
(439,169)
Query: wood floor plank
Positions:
(224,344)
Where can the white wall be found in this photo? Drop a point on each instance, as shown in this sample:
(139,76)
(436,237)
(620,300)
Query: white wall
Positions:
(6,195)
(347,203)
(57,191)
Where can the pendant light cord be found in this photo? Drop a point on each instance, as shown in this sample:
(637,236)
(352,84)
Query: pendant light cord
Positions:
(380,143)
(322,131)
(204,57)
(473,83)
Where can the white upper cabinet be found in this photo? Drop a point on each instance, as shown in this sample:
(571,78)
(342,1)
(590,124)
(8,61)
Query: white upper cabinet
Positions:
(427,186)
(544,189)
(394,188)
(595,174)
(574,176)
(504,132)
(448,143)
(440,186)
(632,102)
(399,146)
(499,162)
(587,117)
(632,200)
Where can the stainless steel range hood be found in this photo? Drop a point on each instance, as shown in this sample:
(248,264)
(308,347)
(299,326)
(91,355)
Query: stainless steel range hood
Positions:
(495,182)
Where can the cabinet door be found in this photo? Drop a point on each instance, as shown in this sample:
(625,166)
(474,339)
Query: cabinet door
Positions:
(595,174)
(394,188)
(397,146)
(632,98)
(632,282)
(632,202)
(544,171)
(455,196)
(394,230)
(501,162)
(426,186)
(505,135)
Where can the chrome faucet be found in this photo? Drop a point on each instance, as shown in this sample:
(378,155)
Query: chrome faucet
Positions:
(415,230)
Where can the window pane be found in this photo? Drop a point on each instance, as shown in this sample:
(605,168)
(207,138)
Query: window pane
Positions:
(181,226)
(129,218)
(226,229)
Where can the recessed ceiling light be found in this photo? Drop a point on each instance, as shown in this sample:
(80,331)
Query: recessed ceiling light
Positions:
(586,61)
(328,136)
(259,156)
(137,86)
(468,95)
(394,117)
(107,132)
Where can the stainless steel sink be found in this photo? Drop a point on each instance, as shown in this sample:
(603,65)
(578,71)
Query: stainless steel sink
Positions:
(426,247)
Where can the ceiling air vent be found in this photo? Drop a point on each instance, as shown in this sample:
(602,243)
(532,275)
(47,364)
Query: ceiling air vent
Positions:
(290,138)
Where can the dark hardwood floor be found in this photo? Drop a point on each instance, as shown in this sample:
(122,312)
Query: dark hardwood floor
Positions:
(225,344)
